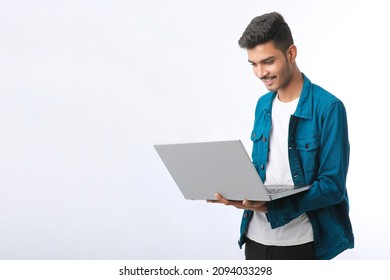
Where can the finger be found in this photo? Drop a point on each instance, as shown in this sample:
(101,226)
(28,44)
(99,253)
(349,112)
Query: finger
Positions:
(227,202)
(247,203)
(212,201)
(219,198)
(255,205)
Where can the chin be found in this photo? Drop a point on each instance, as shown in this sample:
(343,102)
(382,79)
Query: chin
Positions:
(271,88)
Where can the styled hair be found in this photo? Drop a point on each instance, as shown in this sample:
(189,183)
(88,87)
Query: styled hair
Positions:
(265,28)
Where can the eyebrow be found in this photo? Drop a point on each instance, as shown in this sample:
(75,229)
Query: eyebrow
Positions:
(263,60)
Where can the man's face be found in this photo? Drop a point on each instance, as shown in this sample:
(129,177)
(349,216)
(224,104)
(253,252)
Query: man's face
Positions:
(270,65)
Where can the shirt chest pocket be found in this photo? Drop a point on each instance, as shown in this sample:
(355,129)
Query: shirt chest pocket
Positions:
(308,151)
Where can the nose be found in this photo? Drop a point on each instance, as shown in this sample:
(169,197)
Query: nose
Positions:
(259,71)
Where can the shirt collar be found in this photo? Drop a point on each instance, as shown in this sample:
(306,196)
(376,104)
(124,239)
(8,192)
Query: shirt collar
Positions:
(305,105)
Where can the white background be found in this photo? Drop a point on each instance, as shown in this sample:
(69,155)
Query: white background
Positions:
(87,87)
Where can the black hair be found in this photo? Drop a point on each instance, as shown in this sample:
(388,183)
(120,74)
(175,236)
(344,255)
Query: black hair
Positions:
(265,28)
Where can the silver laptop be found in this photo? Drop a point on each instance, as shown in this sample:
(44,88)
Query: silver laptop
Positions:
(202,169)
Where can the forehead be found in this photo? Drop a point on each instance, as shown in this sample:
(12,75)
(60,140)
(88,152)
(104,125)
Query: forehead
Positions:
(263,51)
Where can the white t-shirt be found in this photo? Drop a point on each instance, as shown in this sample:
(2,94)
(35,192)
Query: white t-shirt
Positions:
(299,230)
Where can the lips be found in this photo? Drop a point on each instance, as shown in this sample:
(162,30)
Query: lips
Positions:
(268,80)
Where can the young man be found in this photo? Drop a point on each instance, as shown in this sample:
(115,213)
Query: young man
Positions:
(300,137)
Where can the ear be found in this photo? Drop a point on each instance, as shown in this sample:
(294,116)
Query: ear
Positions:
(292,53)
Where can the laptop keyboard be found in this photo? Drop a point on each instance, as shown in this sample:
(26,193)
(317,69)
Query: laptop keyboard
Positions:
(278,190)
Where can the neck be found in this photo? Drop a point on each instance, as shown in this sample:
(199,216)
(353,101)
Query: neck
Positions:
(293,89)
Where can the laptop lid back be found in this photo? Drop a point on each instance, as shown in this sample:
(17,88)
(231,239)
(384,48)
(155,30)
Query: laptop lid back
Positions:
(202,169)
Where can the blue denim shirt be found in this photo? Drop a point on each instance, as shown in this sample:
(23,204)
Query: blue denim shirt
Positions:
(318,151)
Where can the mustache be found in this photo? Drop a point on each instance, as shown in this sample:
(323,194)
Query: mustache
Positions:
(267,77)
